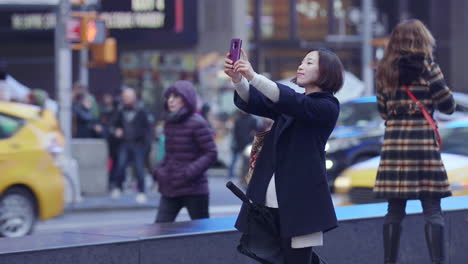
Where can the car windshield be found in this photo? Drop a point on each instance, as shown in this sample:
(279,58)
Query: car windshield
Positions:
(8,126)
(454,140)
(359,114)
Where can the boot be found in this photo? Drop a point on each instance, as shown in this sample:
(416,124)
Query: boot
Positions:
(391,237)
(435,242)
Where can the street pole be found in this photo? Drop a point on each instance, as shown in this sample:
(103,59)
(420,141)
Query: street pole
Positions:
(257,30)
(367,71)
(293,21)
(63,73)
(84,77)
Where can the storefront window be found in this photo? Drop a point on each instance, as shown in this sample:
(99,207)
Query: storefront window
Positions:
(154,71)
(312,19)
(274,19)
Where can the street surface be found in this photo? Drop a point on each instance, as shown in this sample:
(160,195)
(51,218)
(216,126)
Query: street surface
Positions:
(222,204)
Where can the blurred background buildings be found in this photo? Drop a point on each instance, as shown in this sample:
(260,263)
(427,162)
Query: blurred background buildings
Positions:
(189,39)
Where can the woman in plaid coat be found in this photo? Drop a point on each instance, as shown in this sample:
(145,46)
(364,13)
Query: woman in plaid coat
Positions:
(411,166)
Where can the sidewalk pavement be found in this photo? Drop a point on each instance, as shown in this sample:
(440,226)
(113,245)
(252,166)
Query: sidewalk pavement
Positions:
(127,200)
(106,202)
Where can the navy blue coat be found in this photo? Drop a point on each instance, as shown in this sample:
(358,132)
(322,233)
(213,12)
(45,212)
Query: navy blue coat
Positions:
(295,151)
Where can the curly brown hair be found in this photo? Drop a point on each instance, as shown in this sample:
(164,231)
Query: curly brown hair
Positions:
(407,38)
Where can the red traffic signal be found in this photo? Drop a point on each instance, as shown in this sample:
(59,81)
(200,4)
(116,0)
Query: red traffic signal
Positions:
(95,31)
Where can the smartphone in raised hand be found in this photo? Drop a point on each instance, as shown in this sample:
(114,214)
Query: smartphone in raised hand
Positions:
(235,50)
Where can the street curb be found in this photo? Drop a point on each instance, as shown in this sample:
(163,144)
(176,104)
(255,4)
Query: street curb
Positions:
(75,209)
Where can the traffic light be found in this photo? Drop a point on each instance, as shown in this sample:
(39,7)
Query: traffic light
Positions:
(88,26)
(86,30)
(105,53)
(95,32)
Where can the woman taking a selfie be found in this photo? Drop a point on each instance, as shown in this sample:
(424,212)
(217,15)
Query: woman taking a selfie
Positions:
(410,83)
(290,176)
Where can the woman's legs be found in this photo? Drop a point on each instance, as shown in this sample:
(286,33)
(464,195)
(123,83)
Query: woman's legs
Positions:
(392,229)
(434,229)
(296,255)
(168,209)
(197,206)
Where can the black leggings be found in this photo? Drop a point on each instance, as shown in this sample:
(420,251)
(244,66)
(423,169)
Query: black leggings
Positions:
(431,210)
(296,255)
(293,255)
(169,207)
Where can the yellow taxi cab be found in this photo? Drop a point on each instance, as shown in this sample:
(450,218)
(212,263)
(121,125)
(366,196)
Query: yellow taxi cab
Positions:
(356,182)
(31,181)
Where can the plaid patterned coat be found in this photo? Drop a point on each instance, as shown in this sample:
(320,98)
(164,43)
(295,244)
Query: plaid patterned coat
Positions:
(411,166)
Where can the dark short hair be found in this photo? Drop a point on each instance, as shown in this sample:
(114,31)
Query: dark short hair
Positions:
(330,71)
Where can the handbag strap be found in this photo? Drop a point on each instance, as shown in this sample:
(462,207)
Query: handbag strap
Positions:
(428,117)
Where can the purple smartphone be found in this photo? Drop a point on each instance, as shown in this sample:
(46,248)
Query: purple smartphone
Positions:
(235,51)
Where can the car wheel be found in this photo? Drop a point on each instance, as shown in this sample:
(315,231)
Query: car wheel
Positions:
(17,213)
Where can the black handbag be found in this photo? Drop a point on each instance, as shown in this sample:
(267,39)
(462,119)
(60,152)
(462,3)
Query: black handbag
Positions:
(262,240)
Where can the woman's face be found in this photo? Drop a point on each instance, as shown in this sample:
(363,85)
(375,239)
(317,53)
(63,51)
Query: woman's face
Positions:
(308,71)
(175,103)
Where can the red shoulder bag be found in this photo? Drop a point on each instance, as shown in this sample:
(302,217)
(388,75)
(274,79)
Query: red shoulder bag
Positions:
(426,115)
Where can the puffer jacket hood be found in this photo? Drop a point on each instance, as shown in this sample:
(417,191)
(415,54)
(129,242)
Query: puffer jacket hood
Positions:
(188,93)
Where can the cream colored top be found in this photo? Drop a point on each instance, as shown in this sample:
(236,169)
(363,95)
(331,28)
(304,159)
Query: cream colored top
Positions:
(309,240)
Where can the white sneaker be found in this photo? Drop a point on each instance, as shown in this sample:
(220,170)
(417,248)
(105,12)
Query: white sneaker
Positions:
(115,194)
(141,198)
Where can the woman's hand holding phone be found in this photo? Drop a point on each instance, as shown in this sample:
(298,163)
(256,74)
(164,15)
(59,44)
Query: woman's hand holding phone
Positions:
(229,69)
(244,67)
(240,68)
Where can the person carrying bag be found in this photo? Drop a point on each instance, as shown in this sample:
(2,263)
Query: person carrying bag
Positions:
(289,178)
(410,87)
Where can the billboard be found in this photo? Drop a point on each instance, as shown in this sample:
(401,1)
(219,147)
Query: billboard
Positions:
(160,22)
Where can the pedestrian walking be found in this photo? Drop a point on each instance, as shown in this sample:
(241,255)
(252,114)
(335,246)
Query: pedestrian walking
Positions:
(290,176)
(409,83)
(132,126)
(109,109)
(85,113)
(189,152)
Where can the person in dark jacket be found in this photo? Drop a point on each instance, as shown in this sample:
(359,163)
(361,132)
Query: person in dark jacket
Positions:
(133,127)
(411,166)
(109,110)
(290,176)
(245,127)
(86,124)
(190,151)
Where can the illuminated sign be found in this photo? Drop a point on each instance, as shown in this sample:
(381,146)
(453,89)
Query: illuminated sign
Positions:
(150,21)
(35,21)
(135,14)
(114,20)
(129,20)
(148,5)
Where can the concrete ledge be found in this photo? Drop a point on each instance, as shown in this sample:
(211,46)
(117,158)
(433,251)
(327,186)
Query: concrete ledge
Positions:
(91,155)
(357,240)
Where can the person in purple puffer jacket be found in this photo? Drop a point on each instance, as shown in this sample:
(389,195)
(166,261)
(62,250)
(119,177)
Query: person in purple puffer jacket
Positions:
(190,151)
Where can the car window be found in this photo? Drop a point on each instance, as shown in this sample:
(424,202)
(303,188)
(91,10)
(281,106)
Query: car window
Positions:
(9,125)
(454,140)
(360,114)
